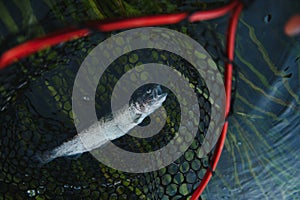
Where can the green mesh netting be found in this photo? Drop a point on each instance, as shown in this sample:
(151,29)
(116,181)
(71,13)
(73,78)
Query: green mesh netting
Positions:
(36,115)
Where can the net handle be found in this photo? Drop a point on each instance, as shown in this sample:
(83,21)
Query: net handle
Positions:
(235,7)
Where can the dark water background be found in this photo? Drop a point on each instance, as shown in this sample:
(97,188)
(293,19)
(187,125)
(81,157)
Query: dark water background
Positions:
(261,155)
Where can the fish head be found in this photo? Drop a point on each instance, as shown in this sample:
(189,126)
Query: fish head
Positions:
(148,98)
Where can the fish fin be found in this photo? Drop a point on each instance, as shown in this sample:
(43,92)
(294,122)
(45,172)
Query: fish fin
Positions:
(74,157)
(138,119)
(42,158)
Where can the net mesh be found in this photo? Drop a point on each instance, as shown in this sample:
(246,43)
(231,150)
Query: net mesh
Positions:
(36,115)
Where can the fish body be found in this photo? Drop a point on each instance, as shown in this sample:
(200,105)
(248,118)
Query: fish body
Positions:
(145,102)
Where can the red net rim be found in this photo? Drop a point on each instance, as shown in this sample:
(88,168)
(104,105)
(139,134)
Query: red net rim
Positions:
(234,8)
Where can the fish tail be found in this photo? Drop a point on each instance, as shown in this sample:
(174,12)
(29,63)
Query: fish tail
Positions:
(42,158)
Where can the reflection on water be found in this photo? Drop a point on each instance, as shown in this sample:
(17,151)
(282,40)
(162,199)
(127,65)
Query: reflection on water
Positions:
(261,156)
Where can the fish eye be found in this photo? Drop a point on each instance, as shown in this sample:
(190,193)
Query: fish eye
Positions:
(148,91)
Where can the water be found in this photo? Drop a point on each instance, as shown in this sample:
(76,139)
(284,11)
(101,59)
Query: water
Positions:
(261,156)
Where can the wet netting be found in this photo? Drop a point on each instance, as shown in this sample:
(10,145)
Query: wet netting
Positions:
(36,115)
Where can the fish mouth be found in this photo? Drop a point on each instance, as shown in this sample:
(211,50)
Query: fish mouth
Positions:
(161,96)
(158,95)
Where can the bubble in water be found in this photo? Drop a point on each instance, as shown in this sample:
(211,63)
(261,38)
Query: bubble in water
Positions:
(77,187)
(41,189)
(31,193)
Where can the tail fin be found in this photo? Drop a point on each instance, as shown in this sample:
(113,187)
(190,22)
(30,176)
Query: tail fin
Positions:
(42,158)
